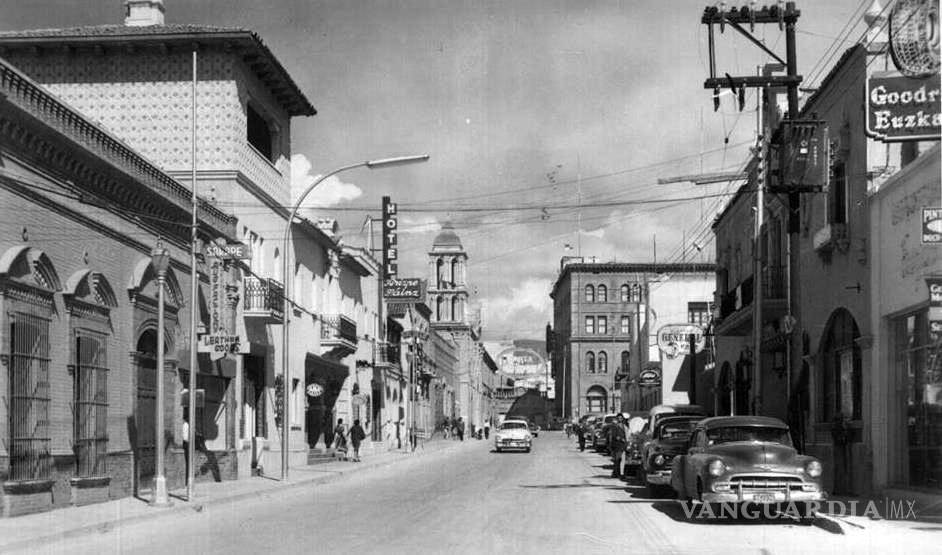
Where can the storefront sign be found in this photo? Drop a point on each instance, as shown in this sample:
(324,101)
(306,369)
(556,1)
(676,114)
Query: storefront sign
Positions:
(220,344)
(903,108)
(390,239)
(935,308)
(314,389)
(932,226)
(674,339)
(228,251)
(404,288)
(649,377)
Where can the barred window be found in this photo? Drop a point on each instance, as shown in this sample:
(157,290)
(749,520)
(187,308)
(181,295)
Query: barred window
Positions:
(90,406)
(30,457)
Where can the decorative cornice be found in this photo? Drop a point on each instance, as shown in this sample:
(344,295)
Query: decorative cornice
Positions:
(108,162)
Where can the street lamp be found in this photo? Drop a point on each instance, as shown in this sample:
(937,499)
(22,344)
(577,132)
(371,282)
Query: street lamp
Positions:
(286,318)
(160,260)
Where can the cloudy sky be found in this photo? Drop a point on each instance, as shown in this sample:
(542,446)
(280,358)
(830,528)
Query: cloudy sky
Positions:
(529,110)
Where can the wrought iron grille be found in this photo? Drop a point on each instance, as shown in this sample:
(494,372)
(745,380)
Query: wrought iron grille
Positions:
(91,405)
(30,458)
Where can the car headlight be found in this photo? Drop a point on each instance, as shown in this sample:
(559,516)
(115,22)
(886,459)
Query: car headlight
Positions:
(813,468)
(717,468)
(659,460)
(527,437)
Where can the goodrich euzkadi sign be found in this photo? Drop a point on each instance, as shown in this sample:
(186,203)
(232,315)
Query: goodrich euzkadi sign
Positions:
(901,108)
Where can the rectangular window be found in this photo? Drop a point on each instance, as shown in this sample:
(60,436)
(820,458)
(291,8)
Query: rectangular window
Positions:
(625,325)
(698,313)
(30,457)
(90,406)
(603,325)
(837,195)
(258,133)
(590,324)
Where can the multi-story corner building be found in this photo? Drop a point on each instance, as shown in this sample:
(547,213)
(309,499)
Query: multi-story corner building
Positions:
(135,80)
(79,309)
(598,351)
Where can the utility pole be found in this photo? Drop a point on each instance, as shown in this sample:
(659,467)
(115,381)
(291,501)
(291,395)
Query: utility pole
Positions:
(785,17)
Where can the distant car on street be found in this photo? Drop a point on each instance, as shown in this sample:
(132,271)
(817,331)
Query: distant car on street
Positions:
(600,435)
(746,459)
(513,434)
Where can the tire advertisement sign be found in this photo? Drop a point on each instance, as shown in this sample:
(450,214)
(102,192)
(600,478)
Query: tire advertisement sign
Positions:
(901,108)
(932,226)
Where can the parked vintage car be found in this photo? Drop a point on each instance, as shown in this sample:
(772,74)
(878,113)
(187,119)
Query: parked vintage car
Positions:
(637,439)
(600,435)
(668,440)
(740,459)
(513,434)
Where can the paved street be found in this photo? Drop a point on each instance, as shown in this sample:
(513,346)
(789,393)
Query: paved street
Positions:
(470,500)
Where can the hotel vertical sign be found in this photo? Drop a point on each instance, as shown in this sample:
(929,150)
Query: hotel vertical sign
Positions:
(390,240)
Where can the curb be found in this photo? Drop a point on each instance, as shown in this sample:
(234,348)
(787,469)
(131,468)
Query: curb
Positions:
(181,506)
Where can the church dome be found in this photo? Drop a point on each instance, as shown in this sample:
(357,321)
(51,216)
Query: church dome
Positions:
(447,238)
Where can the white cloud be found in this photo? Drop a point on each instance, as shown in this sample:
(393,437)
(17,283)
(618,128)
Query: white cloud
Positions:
(424,224)
(522,313)
(598,233)
(329,193)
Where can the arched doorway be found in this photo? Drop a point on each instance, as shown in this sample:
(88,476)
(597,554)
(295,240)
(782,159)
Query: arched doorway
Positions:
(596,399)
(143,436)
(840,391)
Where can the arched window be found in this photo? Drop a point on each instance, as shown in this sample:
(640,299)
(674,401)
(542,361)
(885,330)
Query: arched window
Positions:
(589,294)
(439,273)
(456,309)
(603,363)
(596,399)
(625,295)
(636,292)
(625,363)
(590,362)
(603,293)
(454,272)
(439,308)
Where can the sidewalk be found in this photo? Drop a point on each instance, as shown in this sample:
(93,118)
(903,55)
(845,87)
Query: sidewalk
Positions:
(895,509)
(36,529)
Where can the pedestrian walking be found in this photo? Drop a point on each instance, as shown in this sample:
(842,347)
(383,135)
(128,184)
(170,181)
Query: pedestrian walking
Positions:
(460,429)
(619,442)
(487,429)
(357,435)
(340,439)
(580,434)
(388,432)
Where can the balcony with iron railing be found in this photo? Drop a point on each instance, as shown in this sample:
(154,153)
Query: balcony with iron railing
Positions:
(338,335)
(387,354)
(263,298)
(736,305)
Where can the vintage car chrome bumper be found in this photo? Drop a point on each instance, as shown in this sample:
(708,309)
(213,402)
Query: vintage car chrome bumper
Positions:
(512,444)
(762,489)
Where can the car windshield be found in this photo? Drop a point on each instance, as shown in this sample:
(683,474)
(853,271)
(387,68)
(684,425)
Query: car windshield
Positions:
(513,426)
(748,433)
(677,430)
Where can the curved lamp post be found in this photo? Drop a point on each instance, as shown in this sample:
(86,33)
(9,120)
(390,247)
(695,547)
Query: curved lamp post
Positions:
(286,385)
(160,260)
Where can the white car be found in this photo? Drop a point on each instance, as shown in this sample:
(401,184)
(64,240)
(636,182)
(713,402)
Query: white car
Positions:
(513,434)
